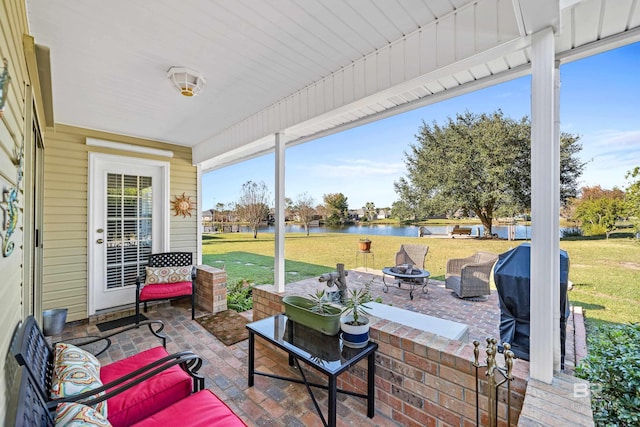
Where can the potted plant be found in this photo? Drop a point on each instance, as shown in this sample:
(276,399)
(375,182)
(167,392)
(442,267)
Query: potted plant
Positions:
(364,244)
(354,323)
(314,312)
(320,304)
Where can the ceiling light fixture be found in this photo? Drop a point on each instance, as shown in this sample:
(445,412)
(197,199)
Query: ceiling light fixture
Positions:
(188,82)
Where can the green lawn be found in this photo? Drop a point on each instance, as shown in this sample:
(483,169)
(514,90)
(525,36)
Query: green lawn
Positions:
(605,273)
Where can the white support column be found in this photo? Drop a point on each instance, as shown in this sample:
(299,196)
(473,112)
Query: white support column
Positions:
(545,196)
(555,219)
(279,237)
(199,207)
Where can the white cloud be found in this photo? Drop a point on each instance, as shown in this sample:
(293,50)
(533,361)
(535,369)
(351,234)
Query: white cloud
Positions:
(349,168)
(609,137)
(610,155)
(613,148)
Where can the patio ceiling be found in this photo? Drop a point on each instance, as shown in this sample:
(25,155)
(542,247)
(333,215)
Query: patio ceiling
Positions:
(302,68)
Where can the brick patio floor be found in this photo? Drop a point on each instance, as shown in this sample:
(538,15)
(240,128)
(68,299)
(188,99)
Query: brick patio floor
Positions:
(273,402)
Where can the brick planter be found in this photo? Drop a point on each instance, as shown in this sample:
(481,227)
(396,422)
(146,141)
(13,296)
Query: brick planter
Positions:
(421,378)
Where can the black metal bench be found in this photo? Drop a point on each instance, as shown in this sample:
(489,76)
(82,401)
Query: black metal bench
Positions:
(32,351)
(31,410)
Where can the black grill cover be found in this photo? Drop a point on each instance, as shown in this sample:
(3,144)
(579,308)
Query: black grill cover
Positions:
(512,274)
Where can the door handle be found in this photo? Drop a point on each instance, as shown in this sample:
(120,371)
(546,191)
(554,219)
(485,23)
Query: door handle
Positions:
(100,241)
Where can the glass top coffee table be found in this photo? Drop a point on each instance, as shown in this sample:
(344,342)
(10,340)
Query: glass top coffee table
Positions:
(326,354)
(412,277)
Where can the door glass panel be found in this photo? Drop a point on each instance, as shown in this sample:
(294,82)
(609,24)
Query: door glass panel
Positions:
(129,221)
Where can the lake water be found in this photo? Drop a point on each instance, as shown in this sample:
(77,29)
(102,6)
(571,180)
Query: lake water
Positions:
(522,231)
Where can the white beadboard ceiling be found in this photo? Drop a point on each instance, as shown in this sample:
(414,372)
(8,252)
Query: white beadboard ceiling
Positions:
(303,68)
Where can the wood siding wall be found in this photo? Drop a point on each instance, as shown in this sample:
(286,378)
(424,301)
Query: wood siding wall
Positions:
(65,210)
(12,135)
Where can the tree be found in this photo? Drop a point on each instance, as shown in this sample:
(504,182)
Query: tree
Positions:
(632,199)
(403,211)
(337,208)
(370,211)
(232,211)
(479,163)
(598,210)
(304,210)
(289,208)
(570,167)
(219,212)
(253,205)
(322,211)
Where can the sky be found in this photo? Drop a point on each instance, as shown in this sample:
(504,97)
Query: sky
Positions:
(599,100)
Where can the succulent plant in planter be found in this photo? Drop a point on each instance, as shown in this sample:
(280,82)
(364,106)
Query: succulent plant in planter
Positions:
(314,312)
(354,324)
(320,302)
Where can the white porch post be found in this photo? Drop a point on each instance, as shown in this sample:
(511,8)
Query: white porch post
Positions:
(555,177)
(279,237)
(545,208)
(199,207)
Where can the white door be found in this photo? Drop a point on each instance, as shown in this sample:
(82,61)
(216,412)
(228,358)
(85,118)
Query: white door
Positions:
(128,204)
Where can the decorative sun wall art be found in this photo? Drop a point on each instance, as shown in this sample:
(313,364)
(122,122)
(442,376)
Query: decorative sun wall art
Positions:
(183,205)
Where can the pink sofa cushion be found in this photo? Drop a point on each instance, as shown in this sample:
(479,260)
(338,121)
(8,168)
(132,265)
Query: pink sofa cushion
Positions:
(203,409)
(167,290)
(148,397)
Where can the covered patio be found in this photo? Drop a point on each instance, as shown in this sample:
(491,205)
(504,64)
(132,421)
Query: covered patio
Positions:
(96,93)
(273,402)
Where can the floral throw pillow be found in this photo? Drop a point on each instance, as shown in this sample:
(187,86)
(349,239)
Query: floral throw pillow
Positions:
(75,379)
(71,414)
(159,275)
(68,354)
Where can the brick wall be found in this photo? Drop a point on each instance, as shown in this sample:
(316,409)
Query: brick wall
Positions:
(211,288)
(422,379)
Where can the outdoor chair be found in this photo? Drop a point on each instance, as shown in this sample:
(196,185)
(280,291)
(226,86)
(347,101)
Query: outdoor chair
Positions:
(412,254)
(469,277)
(168,275)
(125,391)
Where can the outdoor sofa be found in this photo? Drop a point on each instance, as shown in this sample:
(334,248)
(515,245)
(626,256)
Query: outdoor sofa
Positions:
(202,409)
(151,388)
